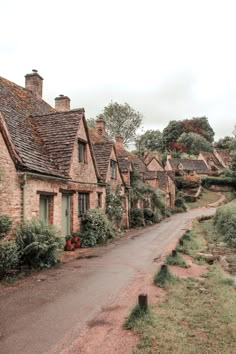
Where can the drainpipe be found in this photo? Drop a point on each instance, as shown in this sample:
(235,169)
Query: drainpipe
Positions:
(24,195)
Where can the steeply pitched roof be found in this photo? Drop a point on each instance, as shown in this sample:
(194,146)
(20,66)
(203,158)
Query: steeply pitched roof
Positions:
(16,105)
(43,138)
(225,156)
(150,156)
(137,163)
(58,132)
(192,165)
(211,159)
(102,152)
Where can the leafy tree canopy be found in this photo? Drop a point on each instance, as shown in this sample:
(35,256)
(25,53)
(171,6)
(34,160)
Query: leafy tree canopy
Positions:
(175,129)
(194,143)
(121,119)
(151,140)
(199,126)
(172,132)
(91,122)
(225,143)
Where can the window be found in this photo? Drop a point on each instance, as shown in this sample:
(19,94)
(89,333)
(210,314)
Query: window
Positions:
(83,203)
(44,208)
(81,151)
(113,167)
(99,194)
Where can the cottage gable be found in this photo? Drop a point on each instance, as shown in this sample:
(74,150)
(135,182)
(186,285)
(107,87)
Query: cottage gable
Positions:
(210,160)
(83,167)
(16,106)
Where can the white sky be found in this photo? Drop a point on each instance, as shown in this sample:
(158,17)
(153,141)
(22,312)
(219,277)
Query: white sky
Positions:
(167,59)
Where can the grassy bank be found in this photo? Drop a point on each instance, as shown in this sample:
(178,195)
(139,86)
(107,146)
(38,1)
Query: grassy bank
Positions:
(199,314)
(206,197)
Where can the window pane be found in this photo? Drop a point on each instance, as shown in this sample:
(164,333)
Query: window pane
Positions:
(43,208)
(83,203)
(81,152)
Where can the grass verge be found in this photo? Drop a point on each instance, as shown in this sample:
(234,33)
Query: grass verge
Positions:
(206,197)
(198,317)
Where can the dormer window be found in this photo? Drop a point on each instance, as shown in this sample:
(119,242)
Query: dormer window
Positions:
(82,151)
(113,168)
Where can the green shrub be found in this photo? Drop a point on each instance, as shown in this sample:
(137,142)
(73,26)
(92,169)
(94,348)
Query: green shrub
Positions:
(136,315)
(95,228)
(157,217)
(9,259)
(5,225)
(38,244)
(219,181)
(136,217)
(189,198)
(177,260)
(225,223)
(164,277)
(168,212)
(179,204)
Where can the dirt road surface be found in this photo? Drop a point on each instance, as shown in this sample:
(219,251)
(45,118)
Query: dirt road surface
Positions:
(48,311)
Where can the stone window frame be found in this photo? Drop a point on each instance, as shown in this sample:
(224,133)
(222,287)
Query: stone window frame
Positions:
(49,196)
(82,151)
(113,169)
(83,202)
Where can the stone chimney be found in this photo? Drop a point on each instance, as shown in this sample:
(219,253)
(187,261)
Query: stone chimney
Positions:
(62,103)
(34,83)
(120,141)
(100,126)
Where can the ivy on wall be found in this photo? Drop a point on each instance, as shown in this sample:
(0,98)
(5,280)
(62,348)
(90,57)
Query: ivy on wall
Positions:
(114,205)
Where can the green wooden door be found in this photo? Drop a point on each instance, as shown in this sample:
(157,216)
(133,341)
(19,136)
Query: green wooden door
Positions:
(65,217)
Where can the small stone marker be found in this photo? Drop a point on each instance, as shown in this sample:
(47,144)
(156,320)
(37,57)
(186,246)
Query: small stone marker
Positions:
(143,301)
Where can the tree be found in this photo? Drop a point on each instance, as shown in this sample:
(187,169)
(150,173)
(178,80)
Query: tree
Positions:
(172,132)
(121,119)
(91,122)
(151,140)
(194,143)
(225,143)
(199,126)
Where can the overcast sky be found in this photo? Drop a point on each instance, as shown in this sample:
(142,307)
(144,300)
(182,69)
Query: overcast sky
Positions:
(167,59)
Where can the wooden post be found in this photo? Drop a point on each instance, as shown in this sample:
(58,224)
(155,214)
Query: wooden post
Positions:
(143,301)
(181,242)
(174,253)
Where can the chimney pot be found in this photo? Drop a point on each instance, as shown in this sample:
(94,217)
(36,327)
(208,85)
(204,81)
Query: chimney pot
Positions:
(100,126)
(34,83)
(62,103)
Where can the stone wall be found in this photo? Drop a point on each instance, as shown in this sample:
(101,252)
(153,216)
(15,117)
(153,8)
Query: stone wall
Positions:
(10,185)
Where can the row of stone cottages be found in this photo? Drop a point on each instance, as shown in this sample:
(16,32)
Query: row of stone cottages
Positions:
(53,167)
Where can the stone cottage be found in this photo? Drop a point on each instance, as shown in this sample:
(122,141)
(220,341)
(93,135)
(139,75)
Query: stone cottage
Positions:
(47,165)
(186,166)
(109,166)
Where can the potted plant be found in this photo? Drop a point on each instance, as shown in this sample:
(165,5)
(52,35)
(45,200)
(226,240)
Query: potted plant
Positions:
(68,245)
(75,239)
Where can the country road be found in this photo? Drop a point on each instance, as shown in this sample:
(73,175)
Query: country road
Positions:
(40,313)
